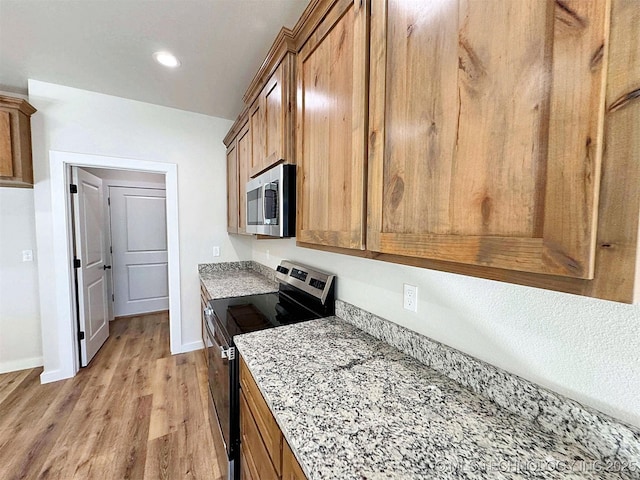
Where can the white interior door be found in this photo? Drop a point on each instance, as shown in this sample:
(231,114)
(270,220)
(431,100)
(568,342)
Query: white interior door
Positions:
(88,212)
(139,242)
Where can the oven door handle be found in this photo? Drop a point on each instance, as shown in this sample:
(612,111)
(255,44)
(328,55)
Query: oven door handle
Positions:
(228,353)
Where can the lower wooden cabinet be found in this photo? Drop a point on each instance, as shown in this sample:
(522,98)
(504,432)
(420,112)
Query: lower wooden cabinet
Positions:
(254,456)
(291,469)
(264,454)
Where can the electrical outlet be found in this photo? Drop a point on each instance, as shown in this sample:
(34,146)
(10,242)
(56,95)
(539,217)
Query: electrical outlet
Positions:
(410,297)
(216,251)
(27,255)
(268,254)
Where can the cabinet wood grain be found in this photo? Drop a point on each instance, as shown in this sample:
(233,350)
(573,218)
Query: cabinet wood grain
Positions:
(6,151)
(16,168)
(255,458)
(485,145)
(331,128)
(291,469)
(232,188)
(269,431)
(272,118)
(244,159)
(256,128)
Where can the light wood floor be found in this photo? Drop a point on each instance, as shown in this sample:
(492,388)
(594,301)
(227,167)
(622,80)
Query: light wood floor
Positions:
(135,413)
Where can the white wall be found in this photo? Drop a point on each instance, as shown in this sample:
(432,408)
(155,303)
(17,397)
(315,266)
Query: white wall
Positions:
(584,348)
(20,339)
(73,120)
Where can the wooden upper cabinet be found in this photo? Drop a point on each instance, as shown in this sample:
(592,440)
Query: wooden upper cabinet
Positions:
(486,127)
(256,129)
(232,188)
(271,120)
(244,159)
(331,131)
(15,142)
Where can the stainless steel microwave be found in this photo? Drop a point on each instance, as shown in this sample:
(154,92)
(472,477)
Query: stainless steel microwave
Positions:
(271,202)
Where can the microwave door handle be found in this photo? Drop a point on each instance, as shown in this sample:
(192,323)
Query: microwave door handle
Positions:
(264,202)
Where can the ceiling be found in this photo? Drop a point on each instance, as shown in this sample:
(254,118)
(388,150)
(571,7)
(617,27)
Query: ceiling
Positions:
(106,46)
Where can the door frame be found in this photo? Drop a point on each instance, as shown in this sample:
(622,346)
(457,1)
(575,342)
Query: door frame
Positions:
(60,163)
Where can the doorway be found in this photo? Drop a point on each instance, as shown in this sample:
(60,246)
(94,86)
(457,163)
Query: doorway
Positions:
(60,163)
(122,239)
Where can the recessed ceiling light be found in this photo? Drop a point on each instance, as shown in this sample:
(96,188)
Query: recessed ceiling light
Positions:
(166,59)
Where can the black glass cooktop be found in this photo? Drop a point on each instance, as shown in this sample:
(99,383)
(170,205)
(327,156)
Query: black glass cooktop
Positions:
(238,315)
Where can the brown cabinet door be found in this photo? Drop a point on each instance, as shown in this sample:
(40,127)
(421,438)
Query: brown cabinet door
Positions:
(271,120)
(291,469)
(244,160)
(256,129)
(16,168)
(232,188)
(331,72)
(6,150)
(274,119)
(255,461)
(267,428)
(485,131)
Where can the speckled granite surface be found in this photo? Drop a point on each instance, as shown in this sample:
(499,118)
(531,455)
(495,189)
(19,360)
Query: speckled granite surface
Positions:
(602,436)
(268,272)
(354,407)
(206,268)
(235,279)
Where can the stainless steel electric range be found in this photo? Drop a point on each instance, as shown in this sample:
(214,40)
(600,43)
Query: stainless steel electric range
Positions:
(303,294)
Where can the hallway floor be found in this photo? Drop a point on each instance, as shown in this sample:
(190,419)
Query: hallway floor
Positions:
(135,412)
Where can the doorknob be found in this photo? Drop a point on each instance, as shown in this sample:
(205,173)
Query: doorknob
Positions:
(106,267)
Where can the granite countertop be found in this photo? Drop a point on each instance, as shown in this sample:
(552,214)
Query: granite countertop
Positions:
(236,283)
(353,407)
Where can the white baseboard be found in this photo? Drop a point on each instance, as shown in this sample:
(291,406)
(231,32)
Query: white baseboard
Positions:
(22,364)
(54,376)
(190,347)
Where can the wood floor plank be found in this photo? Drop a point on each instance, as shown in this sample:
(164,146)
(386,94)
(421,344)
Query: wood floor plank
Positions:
(164,396)
(11,381)
(131,454)
(136,412)
(34,444)
(162,458)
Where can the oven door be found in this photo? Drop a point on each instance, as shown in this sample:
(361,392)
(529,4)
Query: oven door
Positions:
(220,372)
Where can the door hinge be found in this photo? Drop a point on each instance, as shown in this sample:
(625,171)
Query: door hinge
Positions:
(76,263)
(113,298)
(80,335)
(110,249)
(73,188)
(108,200)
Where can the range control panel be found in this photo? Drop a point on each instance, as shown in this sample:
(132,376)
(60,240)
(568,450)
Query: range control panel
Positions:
(314,282)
